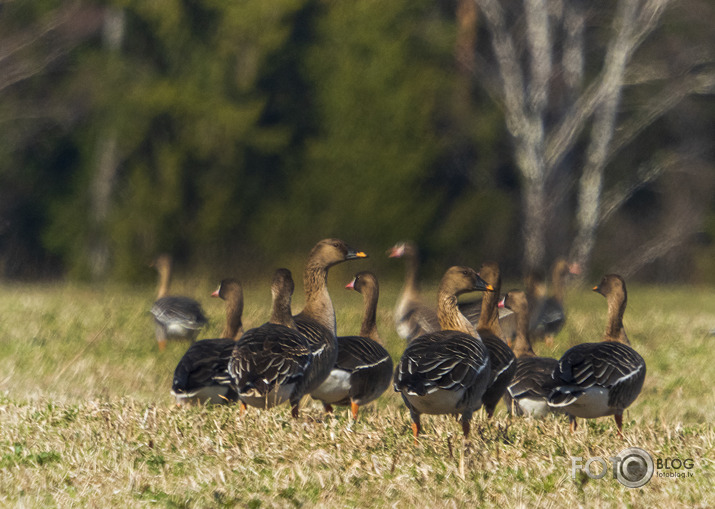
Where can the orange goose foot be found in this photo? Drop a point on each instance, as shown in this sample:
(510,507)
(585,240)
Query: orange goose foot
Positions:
(416,431)
(354,408)
(573,424)
(242,409)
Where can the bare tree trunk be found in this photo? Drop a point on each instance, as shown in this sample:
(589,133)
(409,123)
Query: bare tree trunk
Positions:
(102,186)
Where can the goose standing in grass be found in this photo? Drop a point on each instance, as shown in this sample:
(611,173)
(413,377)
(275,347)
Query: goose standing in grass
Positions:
(201,376)
(412,317)
(598,379)
(528,391)
(502,360)
(547,311)
(269,364)
(317,320)
(176,317)
(446,372)
(364,368)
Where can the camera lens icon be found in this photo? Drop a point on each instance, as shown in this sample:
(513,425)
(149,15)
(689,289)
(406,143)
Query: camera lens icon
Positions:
(635,467)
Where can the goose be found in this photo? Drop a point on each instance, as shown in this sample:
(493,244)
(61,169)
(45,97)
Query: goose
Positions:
(502,360)
(269,364)
(547,312)
(363,370)
(528,391)
(176,317)
(201,375)
(599,379)
(317,319)
(412,317)
(446,372)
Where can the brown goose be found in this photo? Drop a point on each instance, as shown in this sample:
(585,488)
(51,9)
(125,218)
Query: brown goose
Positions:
(364,368)
(598,379)
(317,320)
(176,317)
(269,364)
(446,372)
(502,360)
(412,317)
(528,391)
(201,376)
(547,312)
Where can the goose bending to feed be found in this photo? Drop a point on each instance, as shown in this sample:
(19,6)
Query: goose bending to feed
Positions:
(412,317)
(446,372)
(317,320)
(528,391)
(176,317)
(547,312)
(269,364)
(598,379)
(363,370)
(201,376)
(502,360)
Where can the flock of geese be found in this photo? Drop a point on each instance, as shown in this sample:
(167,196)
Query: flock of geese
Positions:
(460,356)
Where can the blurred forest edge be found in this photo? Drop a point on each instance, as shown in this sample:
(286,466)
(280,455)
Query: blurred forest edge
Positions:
(237,134)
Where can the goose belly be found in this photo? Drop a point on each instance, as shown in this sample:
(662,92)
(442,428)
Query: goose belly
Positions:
(214,394)
(535,407)
(276,396)
(335,388)
(592,403)
(438,402)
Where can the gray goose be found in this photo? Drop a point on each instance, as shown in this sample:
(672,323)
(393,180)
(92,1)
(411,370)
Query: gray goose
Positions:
(547,312)
(317,320)
(503,362)
(176,317)
(363,370)
(201,375)
(446,372)
(412,317)
(269,364)
(528,391)
(598,379)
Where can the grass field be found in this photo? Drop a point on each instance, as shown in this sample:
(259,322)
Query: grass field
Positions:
(86,418)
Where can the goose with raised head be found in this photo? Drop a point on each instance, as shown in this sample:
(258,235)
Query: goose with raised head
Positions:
(598,379)
(201,376)
(175,316)
(446,372)
(529,389)
(363,370)
(547,311)
(413,317)
(317,320)
(269,364)
(502,360)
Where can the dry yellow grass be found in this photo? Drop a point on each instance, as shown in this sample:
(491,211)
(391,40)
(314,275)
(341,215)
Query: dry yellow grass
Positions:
(86,418)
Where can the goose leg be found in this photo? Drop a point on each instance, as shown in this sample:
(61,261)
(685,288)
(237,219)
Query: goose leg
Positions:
(619,423)
(574,424)
(328,408)
(354,407)
(242,409)
(416,428)
(466,425)
(294,411)
(549,340)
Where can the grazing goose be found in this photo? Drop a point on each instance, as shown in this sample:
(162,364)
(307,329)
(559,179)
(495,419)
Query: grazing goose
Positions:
(176,317)
(412,317)
(502,360)
(597,379)
(317,320)
(528,391)
(446,372)
(364,368)
(269,364)
(547,312)
(201,375)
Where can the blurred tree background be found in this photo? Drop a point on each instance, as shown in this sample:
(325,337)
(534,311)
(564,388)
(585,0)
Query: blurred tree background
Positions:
(240,133)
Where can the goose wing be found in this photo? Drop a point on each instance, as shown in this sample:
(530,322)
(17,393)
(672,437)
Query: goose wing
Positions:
(177,309)
(205,363)
(533,377)
(357,352)
(445,360)
(610,365)
(268,356)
